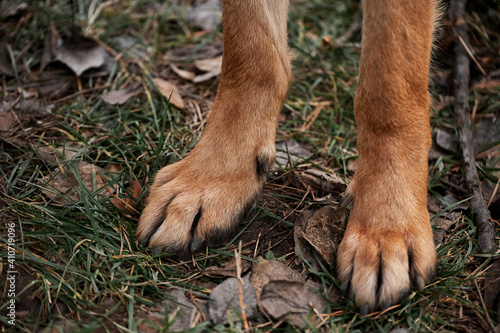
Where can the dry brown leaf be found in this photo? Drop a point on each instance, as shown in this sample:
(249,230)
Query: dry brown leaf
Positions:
(118,97)
(187,75)
(205,14)
(81,54)
(208,65)
(228,269)
(63,187)
(292,301)
(171,91)
(7,119)
(271,270)
(324,231)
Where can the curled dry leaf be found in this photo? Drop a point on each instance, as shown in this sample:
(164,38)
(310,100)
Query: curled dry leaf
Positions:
(323,230)
(69,178)
(187,75)
(228,269)
(120,96)
(212,67)
(81,54)
(225,297)
(170,91)
(293,301)
(181,312)
(291,150)
(205,14)
(326,181)
(271,270)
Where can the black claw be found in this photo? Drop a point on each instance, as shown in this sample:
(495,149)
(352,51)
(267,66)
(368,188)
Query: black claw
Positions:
(262,167)
(402,295)
(420,283)
(365,310)
(385,304)
(156,251)
(196,243)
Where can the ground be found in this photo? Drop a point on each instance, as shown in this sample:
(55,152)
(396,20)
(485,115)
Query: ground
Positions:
(97,96)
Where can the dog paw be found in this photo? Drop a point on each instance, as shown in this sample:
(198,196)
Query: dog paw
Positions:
(387,249)
(202,198)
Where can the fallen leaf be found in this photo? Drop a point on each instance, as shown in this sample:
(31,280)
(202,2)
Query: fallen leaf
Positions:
(120,96)
(52,39)
(205,14)
(81,54)
(208,65)
(228,269)
(187,75)
(7,120)
(326,181)
(292,301)
(64,184)
(291,149)
(190,52)
(440,227)
(324,230)
(170,91)
(225,297)
(181,312)
(271,270)
(445,140)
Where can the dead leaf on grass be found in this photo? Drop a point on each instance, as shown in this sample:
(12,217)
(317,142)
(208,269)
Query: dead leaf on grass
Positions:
(323,230)
(170,91)
(190,52)
(181,312)
(7,120)
(81,54)
(225,297)
(52,40)
(291,150)
(445,140)
(69,178)
(292,301)
(326,181)
(212,67)
(439,230)
(120,96)
(205,14)
(187,75)
(270,270)
(228,269)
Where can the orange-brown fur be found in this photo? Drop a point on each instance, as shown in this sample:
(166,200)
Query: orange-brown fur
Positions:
(388,244)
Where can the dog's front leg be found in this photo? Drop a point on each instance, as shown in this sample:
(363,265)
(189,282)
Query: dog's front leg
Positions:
(388,242)
(201,198)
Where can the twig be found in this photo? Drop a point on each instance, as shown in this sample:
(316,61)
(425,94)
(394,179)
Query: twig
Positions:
(237,256)
(462,115)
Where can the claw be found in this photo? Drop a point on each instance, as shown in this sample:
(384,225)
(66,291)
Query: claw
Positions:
(365,310)
(420,282)
(196,243)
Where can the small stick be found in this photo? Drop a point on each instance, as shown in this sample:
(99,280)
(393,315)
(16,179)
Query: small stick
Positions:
(237,256)
(482,215)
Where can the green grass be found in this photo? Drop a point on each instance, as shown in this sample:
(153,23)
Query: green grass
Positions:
(80,260)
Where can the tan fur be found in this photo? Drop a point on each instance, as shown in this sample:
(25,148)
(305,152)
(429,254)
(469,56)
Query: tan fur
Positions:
(388,242)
